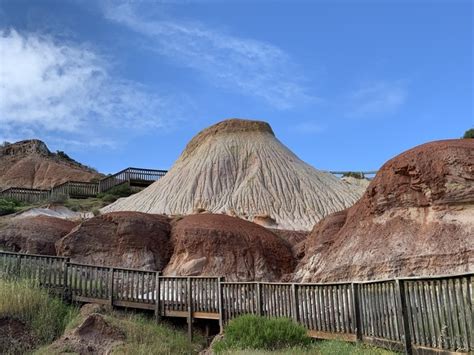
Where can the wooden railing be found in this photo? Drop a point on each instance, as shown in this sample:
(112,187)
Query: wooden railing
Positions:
(136,175)
(133,177)
(415,315)
(24,194)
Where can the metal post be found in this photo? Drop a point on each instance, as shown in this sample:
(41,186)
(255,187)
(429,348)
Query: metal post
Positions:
(403,313)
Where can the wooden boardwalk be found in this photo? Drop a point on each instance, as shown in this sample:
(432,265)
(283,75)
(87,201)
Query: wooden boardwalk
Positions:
(132,177)
(415,315)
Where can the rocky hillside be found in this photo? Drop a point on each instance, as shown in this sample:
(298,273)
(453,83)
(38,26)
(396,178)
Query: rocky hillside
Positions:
(30,164)
(239,168)
(416,218)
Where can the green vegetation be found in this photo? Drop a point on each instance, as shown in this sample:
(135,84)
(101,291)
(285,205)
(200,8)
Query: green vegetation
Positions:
(354,175)
(115,193)
(8,206)
(45,315)
(325,347)
(254,332)
(469,133)
(251,334)
(144,336)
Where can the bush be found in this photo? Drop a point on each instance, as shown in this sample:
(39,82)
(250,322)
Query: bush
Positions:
(260,333)
(7,206)
(58,198)
(354,175)
(46,315)
(469,133)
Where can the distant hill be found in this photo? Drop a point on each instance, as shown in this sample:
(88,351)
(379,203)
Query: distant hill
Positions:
(31,164)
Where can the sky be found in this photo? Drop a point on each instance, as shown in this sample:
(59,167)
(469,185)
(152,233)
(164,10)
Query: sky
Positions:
(346,85)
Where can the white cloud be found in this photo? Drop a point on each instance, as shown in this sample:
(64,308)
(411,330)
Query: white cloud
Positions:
(251,67)
(48,86)
(379,98)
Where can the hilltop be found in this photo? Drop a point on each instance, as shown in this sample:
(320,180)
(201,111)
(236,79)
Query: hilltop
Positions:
(30,164)
(239,168)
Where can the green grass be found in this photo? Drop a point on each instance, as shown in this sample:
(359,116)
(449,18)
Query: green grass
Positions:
(327,347)
(254,332)
(144,336)
(47,316)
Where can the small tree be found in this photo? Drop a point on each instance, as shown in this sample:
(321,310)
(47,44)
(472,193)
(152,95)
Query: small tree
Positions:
(469,133)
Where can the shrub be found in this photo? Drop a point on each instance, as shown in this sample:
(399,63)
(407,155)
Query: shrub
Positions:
(46,315)
(254,332)
(7,206)
(58,198)
(354,175)
(469,133)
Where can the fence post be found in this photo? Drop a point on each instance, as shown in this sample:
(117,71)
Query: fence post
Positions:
(259,299)
(356,311)
(190,309)
(111,287)
(65,279)
(294,305)
(157,296)
(221,305)
(403,312)
(18,266)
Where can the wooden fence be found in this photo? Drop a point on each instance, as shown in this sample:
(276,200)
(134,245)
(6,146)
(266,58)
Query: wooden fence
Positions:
(133,177)
(415,315)
(24,194)
(136,176)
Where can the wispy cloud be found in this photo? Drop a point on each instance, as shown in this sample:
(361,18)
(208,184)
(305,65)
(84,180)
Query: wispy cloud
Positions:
(248,66)
(378,98)
(307,127)
(48,86)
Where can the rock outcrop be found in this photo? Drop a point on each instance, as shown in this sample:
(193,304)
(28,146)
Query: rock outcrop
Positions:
(30,164)
(239,168)
(34,235)
(219,245)
(416,218)
(126,239)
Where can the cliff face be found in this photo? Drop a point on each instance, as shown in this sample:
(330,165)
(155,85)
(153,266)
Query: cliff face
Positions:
(30,164)
(239,168)
(416,218)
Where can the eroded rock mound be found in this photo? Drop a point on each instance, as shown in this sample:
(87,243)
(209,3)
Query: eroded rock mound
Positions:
(416,218)
(219,245)
(126,239)
(30,164)
(34,235)
(94,336)
(239,168)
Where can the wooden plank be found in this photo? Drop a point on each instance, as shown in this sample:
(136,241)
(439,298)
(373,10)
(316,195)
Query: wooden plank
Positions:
(356,312)
(331,336)
(403,312)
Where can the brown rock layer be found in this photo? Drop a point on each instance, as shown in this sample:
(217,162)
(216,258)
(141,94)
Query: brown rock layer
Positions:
(34,235)
(416,218)
(30,164)
(219,245)
(126,239)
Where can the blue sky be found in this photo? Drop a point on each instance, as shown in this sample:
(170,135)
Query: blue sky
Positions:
(345,84)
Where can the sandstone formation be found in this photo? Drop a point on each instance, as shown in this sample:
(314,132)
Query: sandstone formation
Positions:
(30,164)
(238,167)
(95,335)
(34,235)
(416,218)
(219,245)
(126,239)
